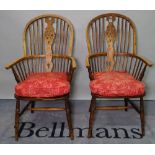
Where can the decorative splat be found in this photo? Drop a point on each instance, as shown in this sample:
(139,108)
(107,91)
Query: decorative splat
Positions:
(110,38)
(49,37)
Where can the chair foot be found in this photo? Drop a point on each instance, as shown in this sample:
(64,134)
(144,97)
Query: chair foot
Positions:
(142,116)
(69,119)
(17,116)
(71,135)
(90,133)
(91,118)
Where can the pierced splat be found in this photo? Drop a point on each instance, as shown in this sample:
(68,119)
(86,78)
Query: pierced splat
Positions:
(110,38)
(49,37)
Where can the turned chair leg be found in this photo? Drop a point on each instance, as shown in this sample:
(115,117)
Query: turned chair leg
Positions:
(126,103)
(69,119)
(32,106)
(142,116)
(91,118)
(17,116)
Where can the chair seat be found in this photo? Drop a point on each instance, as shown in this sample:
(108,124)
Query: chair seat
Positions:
(51,84)
(116,84)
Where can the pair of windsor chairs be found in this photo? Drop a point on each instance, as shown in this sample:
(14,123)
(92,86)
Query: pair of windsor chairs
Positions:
(45,71)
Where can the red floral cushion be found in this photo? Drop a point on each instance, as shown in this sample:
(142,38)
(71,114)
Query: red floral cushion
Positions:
(55,75)
(99,75)
(44,85)
(116,84)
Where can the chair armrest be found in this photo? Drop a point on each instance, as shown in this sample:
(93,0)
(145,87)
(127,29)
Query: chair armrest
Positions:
(8,66)
(24,66)
(74,65)
(133,64)
(92,56)
(148,62)
(139,70)
(18,68)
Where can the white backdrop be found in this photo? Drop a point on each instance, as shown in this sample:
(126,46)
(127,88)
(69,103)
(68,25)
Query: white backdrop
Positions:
(11,27)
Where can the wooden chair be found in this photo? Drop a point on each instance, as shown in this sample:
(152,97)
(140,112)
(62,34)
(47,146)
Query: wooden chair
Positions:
(115,69)
(45,71)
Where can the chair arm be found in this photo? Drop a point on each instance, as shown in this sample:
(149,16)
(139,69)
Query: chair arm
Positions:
(19,69)
(92,56)
(148,62)
(74,65)
(89,57)
(133,64)
(24,66)
(8,66)
(139,68)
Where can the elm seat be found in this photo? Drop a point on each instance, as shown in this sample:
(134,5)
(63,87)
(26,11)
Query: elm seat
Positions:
(116,84)
(46,84)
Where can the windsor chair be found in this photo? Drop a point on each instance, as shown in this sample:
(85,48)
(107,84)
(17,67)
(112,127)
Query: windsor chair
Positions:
(45,71)
(115,70)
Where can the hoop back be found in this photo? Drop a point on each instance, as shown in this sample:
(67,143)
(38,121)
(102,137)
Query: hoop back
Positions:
(124,31)
(61,41)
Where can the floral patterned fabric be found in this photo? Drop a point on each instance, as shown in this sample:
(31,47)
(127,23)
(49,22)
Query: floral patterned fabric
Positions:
(116,84)
(55,75)
(44,85)
(121,74)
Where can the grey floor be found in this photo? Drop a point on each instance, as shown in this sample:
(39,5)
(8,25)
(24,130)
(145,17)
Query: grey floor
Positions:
(48,125)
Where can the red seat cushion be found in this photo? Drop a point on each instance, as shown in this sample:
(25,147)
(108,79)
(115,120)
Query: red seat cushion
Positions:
(55,75)
(116,84)
(44,85)
(99,75)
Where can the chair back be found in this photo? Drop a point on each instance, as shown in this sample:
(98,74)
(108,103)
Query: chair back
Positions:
(55,30)
(125,37)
